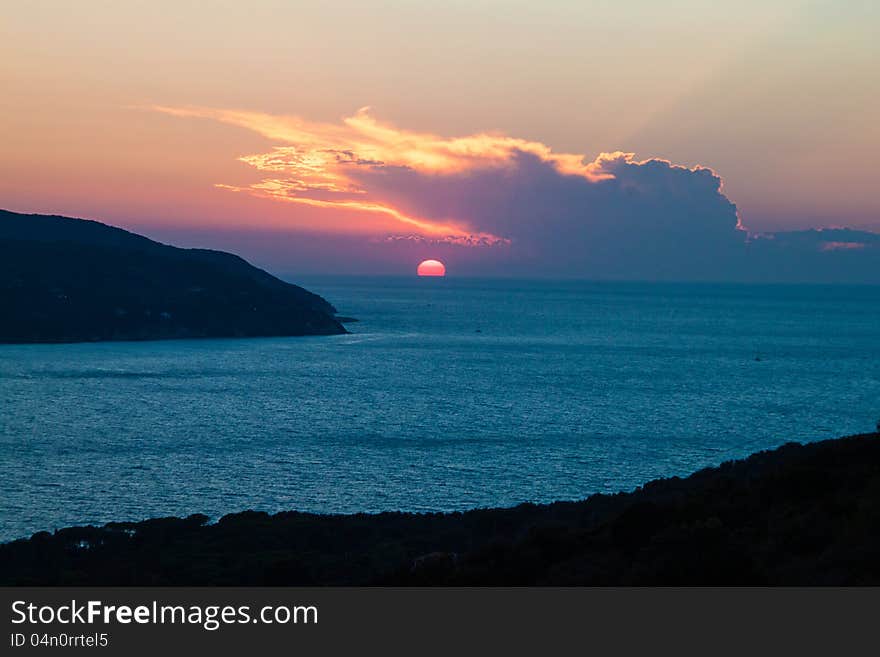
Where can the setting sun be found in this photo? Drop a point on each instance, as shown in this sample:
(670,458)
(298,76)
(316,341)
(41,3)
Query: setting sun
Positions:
(431,268)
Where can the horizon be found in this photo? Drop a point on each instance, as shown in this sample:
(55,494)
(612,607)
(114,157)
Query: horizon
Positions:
(404,271)
(708,149)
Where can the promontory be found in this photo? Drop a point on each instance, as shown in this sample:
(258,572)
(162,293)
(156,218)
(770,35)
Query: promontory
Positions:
(74,280)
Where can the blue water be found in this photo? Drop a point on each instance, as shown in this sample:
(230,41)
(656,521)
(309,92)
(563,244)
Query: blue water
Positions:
(449,394)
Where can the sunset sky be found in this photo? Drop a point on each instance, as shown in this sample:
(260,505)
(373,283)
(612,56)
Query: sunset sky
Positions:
(380,134)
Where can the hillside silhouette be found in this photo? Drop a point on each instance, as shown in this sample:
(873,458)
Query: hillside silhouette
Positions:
(74,280)
(797,515)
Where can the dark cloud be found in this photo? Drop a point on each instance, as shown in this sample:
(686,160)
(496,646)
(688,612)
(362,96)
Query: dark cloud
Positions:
(651,220)
(493,204)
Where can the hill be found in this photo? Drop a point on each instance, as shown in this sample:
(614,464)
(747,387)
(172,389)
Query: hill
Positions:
(797,515)
(74,280)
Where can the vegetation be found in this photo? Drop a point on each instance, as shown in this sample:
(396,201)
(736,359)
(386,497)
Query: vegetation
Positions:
(800,514)
(71,280)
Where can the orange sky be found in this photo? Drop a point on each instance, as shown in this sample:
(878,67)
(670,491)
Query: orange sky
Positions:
(780,98)
(315,166)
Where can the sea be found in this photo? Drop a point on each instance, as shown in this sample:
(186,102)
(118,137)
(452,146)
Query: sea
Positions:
(448,394)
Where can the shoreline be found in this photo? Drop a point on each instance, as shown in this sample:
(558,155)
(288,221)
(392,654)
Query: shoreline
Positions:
(798,514)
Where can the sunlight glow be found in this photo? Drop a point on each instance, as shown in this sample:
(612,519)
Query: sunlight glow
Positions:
(327,165)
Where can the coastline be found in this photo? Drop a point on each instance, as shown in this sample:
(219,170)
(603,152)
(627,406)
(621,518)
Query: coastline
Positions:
(801,514)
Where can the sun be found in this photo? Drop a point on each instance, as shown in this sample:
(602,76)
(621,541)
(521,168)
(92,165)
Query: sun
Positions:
(431,268)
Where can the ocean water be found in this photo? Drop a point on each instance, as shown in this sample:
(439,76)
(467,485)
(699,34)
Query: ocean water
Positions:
(449,394)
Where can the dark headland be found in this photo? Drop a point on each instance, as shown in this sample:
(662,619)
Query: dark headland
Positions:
(74,280)
(798,515)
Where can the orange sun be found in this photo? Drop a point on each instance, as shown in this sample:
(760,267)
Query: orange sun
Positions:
(431,268)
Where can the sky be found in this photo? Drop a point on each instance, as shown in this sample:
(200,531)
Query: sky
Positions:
(622,139)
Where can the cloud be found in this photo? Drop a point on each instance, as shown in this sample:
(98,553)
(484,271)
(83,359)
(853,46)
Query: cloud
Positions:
(319,164)
(629,218)
(838,246)
(536,210)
